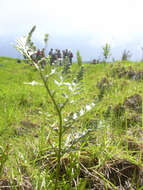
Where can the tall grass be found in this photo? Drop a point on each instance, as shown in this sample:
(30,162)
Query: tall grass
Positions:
(109,156)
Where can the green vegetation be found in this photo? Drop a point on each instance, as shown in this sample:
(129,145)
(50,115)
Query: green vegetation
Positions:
(68,85)
(126,55)
(79,58)
(106,52)
(107,139)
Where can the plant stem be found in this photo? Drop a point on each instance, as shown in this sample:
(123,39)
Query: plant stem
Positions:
(60,131)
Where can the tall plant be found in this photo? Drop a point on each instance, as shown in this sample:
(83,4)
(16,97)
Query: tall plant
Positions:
(69,83)
(79,58)
(106,52)
(126,55)
(46,40)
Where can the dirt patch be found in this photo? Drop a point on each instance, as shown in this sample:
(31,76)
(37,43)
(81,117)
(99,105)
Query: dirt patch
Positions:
(133,120)
(134,103)
(129,72)
(127,114)
(119,174)
(123,174)
(103,85)
(27,123)
(25,127)
(5,184)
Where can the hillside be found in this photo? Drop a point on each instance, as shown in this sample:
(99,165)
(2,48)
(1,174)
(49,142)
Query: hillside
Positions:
(108,153)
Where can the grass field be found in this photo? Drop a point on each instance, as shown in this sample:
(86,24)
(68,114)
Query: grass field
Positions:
(108,157)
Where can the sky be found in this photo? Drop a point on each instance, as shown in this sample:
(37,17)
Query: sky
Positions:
(84,25)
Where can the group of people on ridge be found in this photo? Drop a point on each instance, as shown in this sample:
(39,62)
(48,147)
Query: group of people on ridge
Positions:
(37,56)
(56,55)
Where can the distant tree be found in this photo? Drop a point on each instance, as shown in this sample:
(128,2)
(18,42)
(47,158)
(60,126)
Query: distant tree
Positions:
(46,40)
(79,58)
(126,55)
(106,52)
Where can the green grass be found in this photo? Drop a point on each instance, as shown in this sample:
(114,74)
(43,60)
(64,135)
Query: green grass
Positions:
(99,161)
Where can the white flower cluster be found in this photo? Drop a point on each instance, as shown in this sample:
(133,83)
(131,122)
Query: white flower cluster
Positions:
(82,111)
(71,86)
(74,136)
(51,73)
(33,83)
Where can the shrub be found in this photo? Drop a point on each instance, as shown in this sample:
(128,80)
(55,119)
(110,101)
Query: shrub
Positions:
(79,58)
(126,55)
(106,52)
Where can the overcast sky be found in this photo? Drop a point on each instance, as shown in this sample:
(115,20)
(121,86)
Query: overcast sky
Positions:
(85,25)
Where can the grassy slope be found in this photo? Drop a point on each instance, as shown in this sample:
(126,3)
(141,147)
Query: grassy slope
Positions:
(26,112)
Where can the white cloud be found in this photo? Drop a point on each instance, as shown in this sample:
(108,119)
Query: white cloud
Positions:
(113,21)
